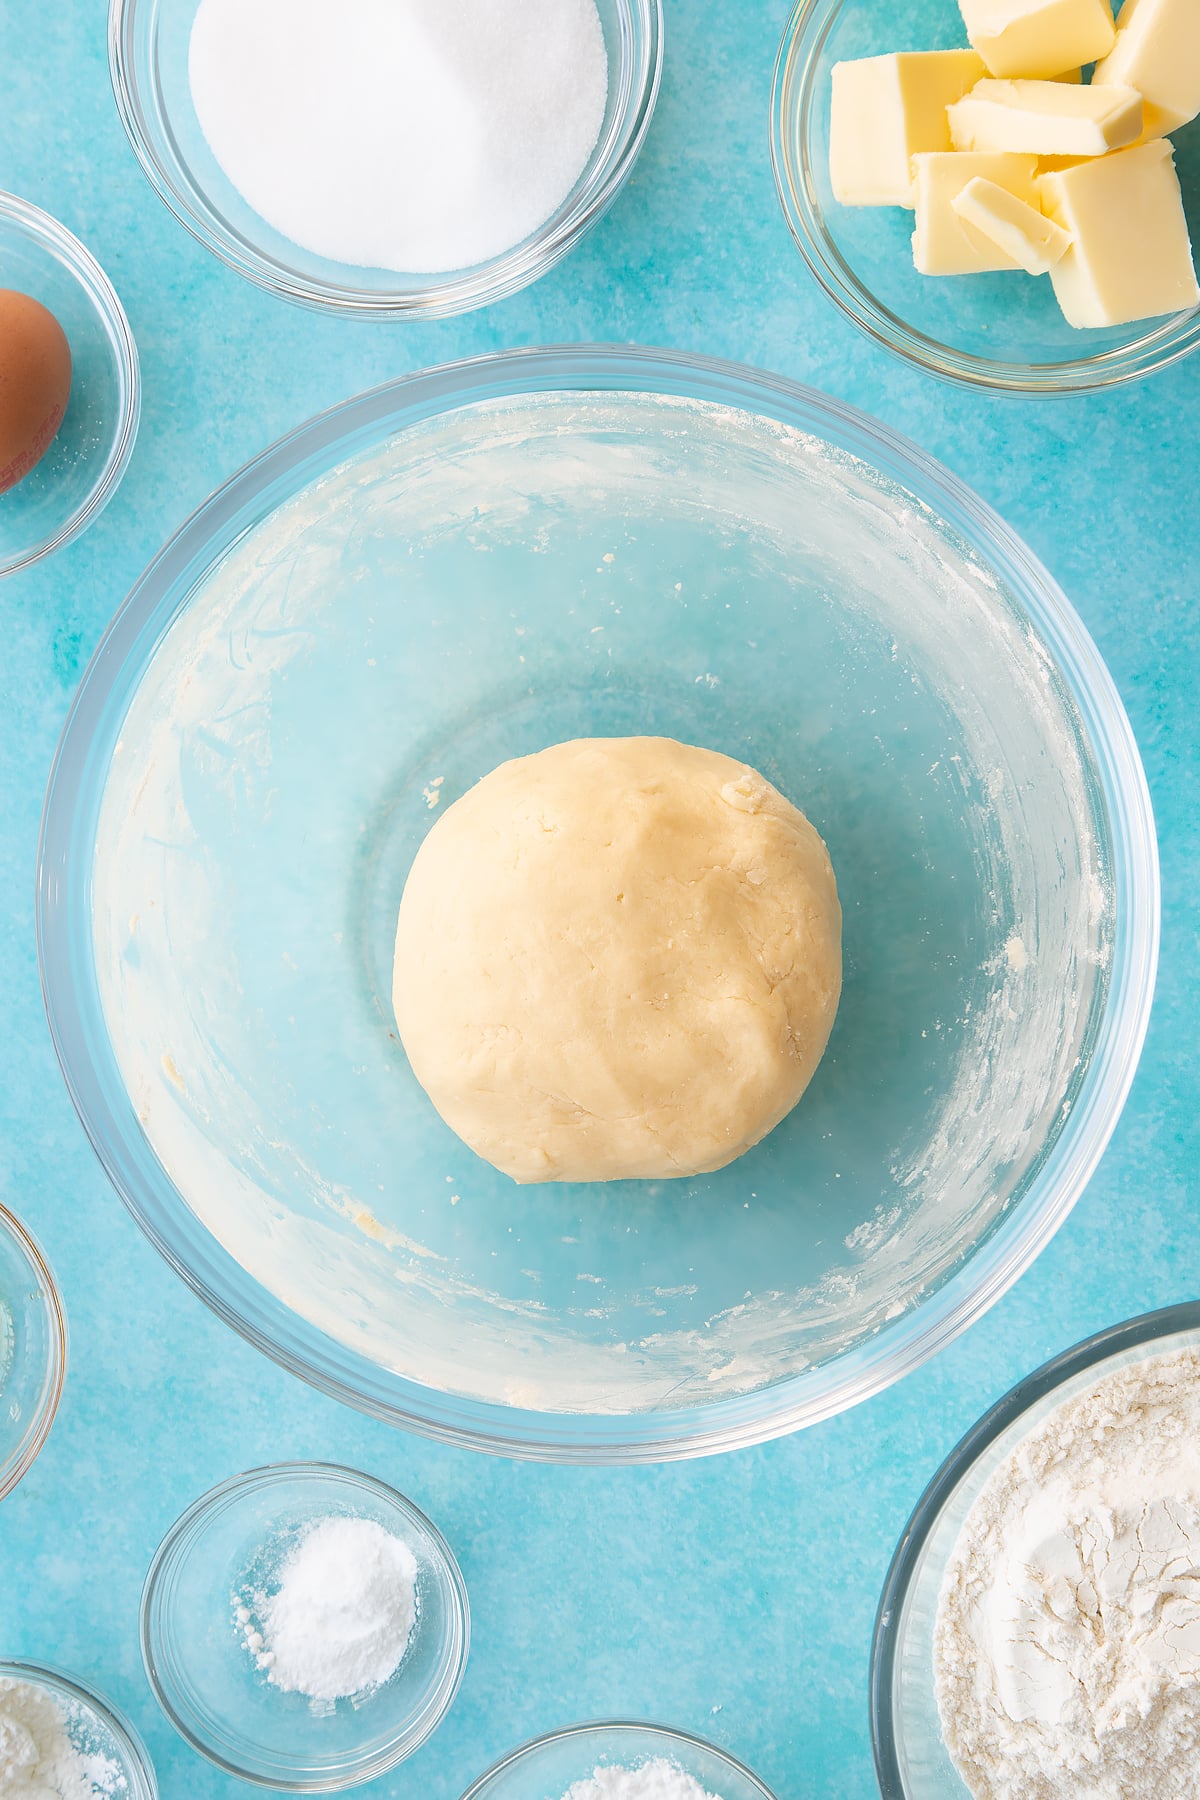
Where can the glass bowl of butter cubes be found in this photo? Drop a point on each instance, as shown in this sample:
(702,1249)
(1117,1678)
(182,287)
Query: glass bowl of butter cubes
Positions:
(1003,192)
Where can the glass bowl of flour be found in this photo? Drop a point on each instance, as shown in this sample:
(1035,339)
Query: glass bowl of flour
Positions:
(618,1760)
(33,1350)
(305,1627)
(465,567)
(1039,1631)
(387,158)
(59,1736)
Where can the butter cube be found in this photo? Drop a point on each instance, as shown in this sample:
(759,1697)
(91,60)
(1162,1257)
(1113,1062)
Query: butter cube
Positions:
(1033,241)
(885,110)
(1039,37)
(1155,124)
(1129,257)
(944,243)
(1046,118)
(1158,52)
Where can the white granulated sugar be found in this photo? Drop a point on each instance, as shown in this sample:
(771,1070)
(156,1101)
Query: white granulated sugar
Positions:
(415,135)
(657,1779)
(39,1760)
(1067,1643)
(340,1619)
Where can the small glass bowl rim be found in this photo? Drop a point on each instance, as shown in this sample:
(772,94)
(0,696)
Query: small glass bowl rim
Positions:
(456,1648)
(1144,1330)
(669,1733)
(108,309)
(792,96)
(138,1766)
(459,291)
(31,1444)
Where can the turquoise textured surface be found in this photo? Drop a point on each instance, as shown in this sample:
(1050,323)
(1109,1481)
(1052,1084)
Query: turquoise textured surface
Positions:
(733,1597)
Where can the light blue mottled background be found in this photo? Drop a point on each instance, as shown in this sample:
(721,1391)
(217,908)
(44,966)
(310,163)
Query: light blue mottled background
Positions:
(734,1597)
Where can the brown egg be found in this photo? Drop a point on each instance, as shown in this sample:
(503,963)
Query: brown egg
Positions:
(35,383)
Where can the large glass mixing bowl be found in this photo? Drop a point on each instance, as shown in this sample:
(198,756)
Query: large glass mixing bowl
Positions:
(478,561)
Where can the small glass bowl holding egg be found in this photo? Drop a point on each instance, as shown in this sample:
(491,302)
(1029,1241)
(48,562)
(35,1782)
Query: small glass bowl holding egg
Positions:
(69,386)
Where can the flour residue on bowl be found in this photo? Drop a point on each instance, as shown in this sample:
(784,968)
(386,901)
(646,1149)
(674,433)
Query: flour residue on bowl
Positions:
(8,1341)
(442,602)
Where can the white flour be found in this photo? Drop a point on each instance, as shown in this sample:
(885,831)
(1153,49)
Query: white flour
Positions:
(340,1619)
(1067,1644)
(39,1760)
(657,1779)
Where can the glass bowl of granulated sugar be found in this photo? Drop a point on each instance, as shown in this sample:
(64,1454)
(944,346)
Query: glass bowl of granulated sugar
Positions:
(304,1627)
(390,158)
(1039,1632)
(618,1760)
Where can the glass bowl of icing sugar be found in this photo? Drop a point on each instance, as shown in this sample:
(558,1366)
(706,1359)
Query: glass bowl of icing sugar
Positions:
(304,1627)
(387,158)
(618,1760)
(33,1350)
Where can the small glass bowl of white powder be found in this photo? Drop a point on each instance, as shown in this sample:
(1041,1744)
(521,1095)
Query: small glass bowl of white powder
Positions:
(305,1627)
(60,1738)
(33,1350)
(387,158)
(618,1760)
(1039,1633)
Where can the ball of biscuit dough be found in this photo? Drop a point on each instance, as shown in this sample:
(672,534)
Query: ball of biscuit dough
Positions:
(620,957)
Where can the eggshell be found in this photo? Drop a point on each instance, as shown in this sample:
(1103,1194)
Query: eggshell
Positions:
(35,383)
